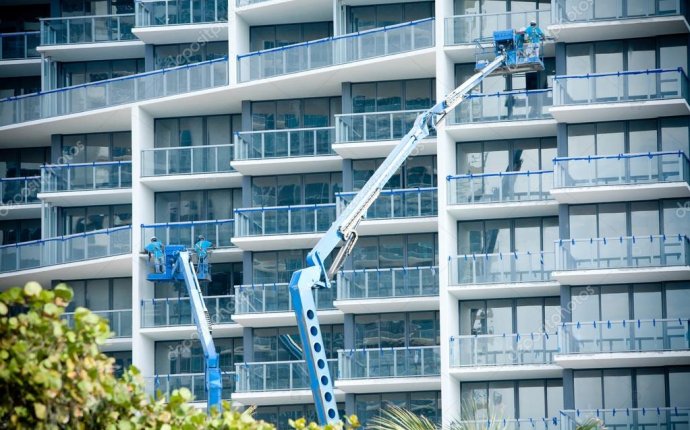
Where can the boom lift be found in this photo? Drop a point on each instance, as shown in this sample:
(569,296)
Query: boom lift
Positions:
(508,58)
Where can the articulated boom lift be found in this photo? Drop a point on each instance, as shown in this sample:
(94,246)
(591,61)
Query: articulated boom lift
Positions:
(508,59)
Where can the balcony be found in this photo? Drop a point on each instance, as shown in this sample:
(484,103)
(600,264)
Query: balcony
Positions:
(355,132)
(109,182)
(114,92)
(650,418)
(218,232)
(186,160)
(19,46)
(624,95)
(652,258)
(120,321)
(261,229)
(87,29)
(294,150)
(195,382)
(333,51)
(400,211)
(622,177)
(268,305)
(516,114)
(621,19)
(384,369)
(176,311)
(510,274)
(19,197)
(276,382)
(625,343)
(175,21)
(389,289)
(501,195)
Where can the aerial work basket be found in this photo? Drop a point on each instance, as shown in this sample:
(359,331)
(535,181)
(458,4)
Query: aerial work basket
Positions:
(521,56)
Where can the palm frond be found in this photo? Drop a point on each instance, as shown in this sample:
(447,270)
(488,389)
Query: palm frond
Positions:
(396,418)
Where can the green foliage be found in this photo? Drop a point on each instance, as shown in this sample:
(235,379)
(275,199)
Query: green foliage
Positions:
(53,376)
(350,423)
(591,423)
(396,418)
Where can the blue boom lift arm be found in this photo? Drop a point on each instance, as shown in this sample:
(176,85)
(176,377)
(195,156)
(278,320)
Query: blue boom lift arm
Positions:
(344,229)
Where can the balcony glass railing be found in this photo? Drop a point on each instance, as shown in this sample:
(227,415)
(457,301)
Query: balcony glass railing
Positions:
(57,178)
(276,376)
(621,169)
(540,423)
(625,252)
(186,160)
(285,143)
(629,86)
(174,311)
(275,220)
(173,12)
(114,92)
(19,191)
(566,11)
(507,106)
(401,203)
(503,349)
(501,187)
(267,298)
(218,232)
(120,321)
(594,337)
(333,51)
(501,268)
(373,126)
(241,3)
(466,29)
(66,249)
(195,382)
(87,29)
(19,46)
(413,361)
(388,283)
(650,418)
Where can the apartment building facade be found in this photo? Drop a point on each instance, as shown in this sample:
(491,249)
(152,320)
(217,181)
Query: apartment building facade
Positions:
(528,265)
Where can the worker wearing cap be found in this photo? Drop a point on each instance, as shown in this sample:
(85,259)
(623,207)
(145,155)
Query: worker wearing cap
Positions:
(201,248)
(157,249)
(533,36)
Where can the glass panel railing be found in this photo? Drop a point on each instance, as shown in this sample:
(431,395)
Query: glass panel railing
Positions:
(621,169)
(373,126)
(650,418)
(388,282)
(625,252)
(506,106)
(120,321)
(86,176)
(151,13)
(174,311)
(404,362)
(594,337)
(284,219)
(114,92)
(501,268)
(285,143)
(628,86)
(332,51)
(466,29)
(186,160)
(66,249)
(503,349)
(19,191)
(195,382)
(267,298)
(19,46)
(87,29)
(276,376)
(401,203)
(501,187)
(495,423)
(567,11)
(218,232)
(240,3)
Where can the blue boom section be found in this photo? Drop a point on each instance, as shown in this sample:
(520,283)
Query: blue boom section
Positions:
(179,267)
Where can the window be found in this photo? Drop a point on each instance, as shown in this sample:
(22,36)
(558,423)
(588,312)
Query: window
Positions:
(412,250)
(77,73)
(520,234)
(96,147)
(397,330)
(418,171)
(506,156)
(276,344)
(224,278)
(413,94)
(19,85)
(421,403)
(281,414)
(173,357)
(101,294)
(498,83)
(180,206)
(196,131)
(284,190)
(123,360)
(294,113)
(20,162)
(167,56)
(15,231)
(361,18)
(509,316)
(502,399)
(467,7)
(96,7)
(277,266)
(89,218)
(274,36)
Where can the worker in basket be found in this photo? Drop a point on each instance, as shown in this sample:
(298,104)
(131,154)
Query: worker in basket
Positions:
(533,36)
(157,250)
(201,248)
